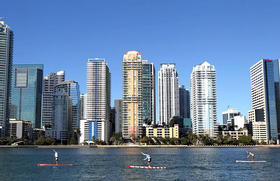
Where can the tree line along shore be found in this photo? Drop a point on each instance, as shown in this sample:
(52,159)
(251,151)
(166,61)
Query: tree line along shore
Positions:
(188,139)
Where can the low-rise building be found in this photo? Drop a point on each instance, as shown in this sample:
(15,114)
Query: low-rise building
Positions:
(235,134)
(20,128)
(164,132)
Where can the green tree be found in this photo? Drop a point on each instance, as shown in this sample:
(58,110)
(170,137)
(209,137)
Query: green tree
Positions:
(174,141)
(147,121)
(227,140)
(176,120)
(156,141)
(246,140)
(145,139)
(162,140)
(206,140)
(50,141)
(73,141)
(117,139)
(40,141)
(100,142)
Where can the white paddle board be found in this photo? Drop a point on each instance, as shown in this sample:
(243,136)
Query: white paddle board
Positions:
(146,167)
(250,161)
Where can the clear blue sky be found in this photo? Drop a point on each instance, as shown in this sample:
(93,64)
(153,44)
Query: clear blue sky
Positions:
(232,35)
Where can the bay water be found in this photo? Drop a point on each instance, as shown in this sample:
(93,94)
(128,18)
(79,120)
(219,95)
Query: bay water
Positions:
(20,164)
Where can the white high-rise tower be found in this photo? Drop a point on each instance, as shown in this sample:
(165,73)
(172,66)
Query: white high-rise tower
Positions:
(204,100)
(168,93)
(98,98)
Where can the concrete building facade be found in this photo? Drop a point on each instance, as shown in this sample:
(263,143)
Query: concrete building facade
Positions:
(204,100)
(99,97)
(168,93)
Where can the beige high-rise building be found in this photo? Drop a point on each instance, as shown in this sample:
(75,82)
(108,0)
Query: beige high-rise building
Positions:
(132,95)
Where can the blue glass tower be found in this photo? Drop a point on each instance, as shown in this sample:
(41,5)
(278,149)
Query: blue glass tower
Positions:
(148,91)
(265,100)
(66,109)
(184,100)
(26,94)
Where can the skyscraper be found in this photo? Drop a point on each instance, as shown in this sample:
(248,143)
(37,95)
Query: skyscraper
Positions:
(99,97)
(6,62)
(118,116)
(83,106)
(184,100)
(50,81)
(26,97)
(132,95)
(265,96)
(148,91)
(66,109)
(168,93)
(204,100)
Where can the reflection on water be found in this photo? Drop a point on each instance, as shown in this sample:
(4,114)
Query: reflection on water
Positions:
(112,164)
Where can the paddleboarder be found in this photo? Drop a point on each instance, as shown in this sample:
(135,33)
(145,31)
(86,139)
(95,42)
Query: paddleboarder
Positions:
(56,156)
(250,154)
(148,158)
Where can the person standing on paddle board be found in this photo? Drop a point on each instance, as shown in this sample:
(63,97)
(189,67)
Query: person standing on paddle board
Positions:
(149,158)
(252,155)
(56,156)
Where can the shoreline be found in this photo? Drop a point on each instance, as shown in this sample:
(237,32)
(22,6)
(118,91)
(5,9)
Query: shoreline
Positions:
(137,146)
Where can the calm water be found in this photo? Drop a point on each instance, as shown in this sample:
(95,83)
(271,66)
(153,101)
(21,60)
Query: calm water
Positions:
(111,164)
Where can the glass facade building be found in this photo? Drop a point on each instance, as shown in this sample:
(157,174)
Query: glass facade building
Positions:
(184,100)
(148,91)
(265,98)
(66,109)
(6,61)
(26,94)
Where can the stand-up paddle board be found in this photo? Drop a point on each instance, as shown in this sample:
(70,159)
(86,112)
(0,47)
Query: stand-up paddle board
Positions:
(54,165)
(250,161)
(145,167)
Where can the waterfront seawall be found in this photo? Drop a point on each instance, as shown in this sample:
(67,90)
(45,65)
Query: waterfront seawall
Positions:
(138,146)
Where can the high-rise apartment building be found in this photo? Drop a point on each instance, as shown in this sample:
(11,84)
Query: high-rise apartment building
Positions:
(99,97)
(50,81)
(265,94)
(83,107)
(6,61)
(26,96)
(118,115)
(148,91)
(132,95)
(184,100)
(168,93)
(204,100)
